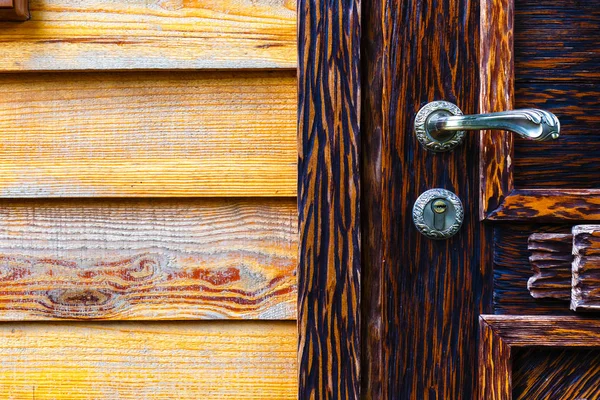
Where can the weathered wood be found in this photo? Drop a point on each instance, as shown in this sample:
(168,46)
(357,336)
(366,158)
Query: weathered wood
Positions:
(14,10)
(496,93)
(421,298)
(500,335)
(586,268)
(328,199)
(550,260)
(557,40)
(139,34)
(208,360)
(162,259)
(542,373)
(148,134)
(548,205)
(576,154)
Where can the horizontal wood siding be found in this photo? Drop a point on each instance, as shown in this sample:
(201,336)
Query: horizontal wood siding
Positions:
(148,134)
(218,360)
(142,259)
(157,34)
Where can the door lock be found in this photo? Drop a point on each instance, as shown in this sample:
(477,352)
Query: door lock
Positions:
(438,214)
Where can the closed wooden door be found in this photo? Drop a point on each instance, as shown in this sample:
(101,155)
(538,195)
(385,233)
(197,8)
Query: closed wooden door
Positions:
(148,224)
(500,310)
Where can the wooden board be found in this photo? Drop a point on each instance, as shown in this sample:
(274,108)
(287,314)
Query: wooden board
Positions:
(557,40)
(160,34)
(577,106)
(225,360)
(148,134)
(148,259)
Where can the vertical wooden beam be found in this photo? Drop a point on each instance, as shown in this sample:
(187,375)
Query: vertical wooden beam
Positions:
(328,199)
(421,298)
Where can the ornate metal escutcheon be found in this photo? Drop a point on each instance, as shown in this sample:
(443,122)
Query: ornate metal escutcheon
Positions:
(438,214)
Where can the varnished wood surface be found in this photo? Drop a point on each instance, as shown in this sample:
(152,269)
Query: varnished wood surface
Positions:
(148,134)
(552,374)
(224,360)
(512,271)
(576,153)
(329,271)
(549,205)
(421,297)
(551,258)
(148,259)
(501,336)
(557,40)
(496,94)
(137,34)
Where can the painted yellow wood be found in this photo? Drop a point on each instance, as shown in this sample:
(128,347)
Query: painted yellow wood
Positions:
(151,34)
(148,259)
(202,360)
(148,134)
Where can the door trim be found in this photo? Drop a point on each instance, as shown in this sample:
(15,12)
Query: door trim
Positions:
(329,199)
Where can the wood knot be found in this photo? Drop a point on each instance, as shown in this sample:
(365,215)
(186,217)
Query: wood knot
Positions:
(79,297)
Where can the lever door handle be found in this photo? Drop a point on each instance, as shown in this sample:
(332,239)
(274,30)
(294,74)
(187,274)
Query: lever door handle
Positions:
(440,125)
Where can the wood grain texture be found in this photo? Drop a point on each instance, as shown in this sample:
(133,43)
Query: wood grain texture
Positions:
(157,34)
(151,134)
(226,360)
(586,268)
(576,153)
(549,205)
(496,93)
(14,10)
(421,297)
(550,260)
(512,270)
(142,259)
(328,199)
(541,373)
(500,335)
(557,40)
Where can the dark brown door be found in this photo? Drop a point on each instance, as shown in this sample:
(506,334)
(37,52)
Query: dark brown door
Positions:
(424,301)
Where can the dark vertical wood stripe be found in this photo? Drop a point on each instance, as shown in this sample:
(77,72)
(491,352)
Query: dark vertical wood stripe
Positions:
(421,297)
(328,199)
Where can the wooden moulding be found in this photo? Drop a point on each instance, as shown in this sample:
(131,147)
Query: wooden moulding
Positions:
(14,10)
(328,199)
(499,199)
(93,35)
(501,334)
(567,266)
(148,259)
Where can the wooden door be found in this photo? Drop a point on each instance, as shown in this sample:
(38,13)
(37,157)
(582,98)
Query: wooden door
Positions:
(148,224)
(485,314)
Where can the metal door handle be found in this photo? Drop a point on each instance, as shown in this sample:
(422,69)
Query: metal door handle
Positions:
(440,125)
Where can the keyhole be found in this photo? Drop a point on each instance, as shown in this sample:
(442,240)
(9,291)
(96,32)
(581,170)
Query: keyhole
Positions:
(439,208)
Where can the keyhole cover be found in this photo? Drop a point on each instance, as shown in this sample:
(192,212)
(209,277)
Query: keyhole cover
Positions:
(438,214)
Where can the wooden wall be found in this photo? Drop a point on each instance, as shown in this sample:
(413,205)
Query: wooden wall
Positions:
(148,219)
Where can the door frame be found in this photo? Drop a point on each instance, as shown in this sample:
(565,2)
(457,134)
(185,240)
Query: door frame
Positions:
(329,199)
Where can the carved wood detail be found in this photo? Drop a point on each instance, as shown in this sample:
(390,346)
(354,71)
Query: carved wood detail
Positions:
(567,267)
(14,10)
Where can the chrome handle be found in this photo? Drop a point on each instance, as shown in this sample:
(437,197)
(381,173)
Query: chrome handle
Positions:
(440,125)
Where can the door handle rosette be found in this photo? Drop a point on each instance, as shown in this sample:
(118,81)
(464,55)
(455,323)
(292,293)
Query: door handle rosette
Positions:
(440,125)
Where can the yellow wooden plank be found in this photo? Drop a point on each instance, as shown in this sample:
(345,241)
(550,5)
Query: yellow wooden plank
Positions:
(148,259)
(204,360)
(158,34)
(146,134)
